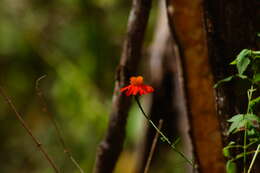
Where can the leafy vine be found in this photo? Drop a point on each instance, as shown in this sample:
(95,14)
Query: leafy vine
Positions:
(247,64)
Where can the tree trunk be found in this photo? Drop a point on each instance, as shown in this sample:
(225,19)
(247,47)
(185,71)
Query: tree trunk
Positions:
(186,22)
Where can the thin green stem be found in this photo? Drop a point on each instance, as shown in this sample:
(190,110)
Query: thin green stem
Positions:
(256,52)
(249,96)
(171,144)
(242,155)
(253,160)
(244,160)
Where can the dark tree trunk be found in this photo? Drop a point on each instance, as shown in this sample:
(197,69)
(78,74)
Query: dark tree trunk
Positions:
(112,145)
(231,26)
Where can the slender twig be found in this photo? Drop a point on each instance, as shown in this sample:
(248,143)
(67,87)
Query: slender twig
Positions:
(155,139)
(28,130)
(253,160)
(242,155)
(249,96)
(172,144)
(244,158)
(55,124)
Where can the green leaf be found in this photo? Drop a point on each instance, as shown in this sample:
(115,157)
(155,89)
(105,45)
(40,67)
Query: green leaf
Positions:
(251,132)
(258,34)
(223,81)
(228,79)
(238,121)
(231,143)
(253,120)
(253,103)
(242,65)
(242,61)
(230,167)
(243,54)
(233,127)
(226,152)
(252,117)
(241,76)
(237,117)
(256,78)
(234,62)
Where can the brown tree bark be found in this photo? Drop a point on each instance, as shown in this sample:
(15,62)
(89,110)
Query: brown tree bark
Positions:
(187,26)
(112,144)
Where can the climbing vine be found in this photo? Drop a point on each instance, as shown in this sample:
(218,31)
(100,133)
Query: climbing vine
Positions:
(246,123)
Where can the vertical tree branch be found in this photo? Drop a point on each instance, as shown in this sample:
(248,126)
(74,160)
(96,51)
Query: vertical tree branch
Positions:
(112,144)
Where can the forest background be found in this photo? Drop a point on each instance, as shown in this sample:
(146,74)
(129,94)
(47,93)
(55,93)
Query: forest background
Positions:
(77,45)
(80,49)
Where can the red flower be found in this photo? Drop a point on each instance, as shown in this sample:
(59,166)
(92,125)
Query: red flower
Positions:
(137,87)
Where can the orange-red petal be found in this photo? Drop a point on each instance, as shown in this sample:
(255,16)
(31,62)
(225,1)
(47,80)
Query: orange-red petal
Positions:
(137,87)
(125,88)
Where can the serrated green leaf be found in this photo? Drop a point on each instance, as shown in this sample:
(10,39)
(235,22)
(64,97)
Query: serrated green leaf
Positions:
(237,117)
(252,117)
(231,167)
(253,120)
(233,127)
(223,81)
(238,121)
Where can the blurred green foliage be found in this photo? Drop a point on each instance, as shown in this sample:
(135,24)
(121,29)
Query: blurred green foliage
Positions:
(77,44)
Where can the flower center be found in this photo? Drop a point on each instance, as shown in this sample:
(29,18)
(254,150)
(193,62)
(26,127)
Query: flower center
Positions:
(136,80)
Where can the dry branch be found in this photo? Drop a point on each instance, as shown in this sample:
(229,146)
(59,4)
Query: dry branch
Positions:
(55,124)
(155,139)
(112,144)
(29,131)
